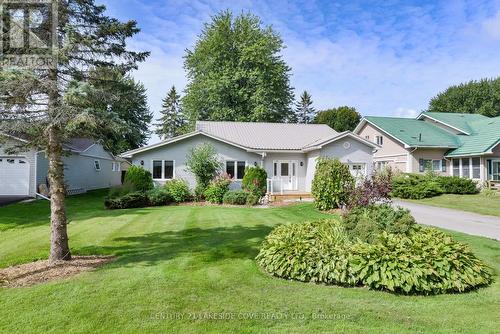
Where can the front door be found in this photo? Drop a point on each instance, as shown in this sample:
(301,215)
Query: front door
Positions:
(496,170)
(287,172)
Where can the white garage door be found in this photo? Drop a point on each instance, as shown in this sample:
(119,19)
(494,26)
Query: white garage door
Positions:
(14,176)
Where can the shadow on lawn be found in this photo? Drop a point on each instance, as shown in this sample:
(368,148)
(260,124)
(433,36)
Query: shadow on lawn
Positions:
(208,245)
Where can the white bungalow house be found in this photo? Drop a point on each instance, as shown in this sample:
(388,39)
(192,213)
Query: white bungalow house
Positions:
(288,152)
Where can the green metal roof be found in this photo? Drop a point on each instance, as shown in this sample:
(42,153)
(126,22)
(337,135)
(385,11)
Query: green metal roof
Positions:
(415,133)
(486,135)
(456,120)
(483,132)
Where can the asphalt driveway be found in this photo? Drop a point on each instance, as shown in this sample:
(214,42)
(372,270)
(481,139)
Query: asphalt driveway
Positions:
(461,221)
(4,200)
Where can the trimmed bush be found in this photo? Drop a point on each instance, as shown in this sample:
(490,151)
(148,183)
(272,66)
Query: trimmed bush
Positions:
(457,185)
(331,184)
(425,261)
(418,186)
(159,196)
(178,190)
(255,181)
(252,199)
(132,200)
(367,223)
(217,189)
(415,186)
(235,197)
(140,178)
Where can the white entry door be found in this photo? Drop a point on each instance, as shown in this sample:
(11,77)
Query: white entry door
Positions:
(288,174)
(14,176)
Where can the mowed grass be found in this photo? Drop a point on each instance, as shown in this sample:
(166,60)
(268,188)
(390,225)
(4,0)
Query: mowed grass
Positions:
(478,203)
(182,268)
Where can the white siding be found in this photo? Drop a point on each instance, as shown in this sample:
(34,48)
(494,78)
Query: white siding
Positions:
(177,151)
(30,157)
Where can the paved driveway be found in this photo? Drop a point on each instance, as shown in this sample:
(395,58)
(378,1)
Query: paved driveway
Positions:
(4,200)
(461,221)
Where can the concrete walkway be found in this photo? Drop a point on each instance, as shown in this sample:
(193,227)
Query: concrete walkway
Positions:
(461,221)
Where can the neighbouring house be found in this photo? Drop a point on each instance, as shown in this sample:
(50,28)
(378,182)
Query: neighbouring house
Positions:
(288,152)
(465,145)
(87,166)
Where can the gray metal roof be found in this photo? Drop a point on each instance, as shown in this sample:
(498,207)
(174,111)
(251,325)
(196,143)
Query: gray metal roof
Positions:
(79,144)
(267,136)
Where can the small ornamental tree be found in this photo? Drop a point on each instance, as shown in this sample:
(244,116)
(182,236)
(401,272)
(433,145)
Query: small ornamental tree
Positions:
(331,184)
(255,181)
(204,163)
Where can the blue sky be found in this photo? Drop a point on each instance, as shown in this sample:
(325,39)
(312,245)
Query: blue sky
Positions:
(385,58)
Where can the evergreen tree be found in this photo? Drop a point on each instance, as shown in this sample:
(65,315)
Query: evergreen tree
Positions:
(49,106)
(236,73)
(172,122)
(304,110)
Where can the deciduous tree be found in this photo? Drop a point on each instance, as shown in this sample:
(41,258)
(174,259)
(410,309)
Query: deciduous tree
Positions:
(340,119)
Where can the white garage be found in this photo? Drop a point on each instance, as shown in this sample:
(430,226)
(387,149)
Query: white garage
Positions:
(14,176)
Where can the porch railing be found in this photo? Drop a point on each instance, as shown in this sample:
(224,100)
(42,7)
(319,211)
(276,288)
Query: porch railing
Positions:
(270,186)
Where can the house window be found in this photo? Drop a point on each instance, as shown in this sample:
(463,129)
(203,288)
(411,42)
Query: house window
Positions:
(163,169)
(476,168)
(456,167)
(443,166)
(357,169)
(157,169)
(240,173)
(367,137)
(465,168)
(428,165)
(379,140)
(379,165)
(236,169)
(169,169)
(275,169)
(97,165)
(115,166)
(230,168)
(10,161)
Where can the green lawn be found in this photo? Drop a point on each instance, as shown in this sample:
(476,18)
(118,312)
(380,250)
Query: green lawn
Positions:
(474,203)
(176,262)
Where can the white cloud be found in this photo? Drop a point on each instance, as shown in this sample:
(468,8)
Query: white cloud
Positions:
(492,26)
(405,112)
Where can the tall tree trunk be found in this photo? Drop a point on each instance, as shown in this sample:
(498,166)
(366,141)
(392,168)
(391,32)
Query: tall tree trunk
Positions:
(59,246)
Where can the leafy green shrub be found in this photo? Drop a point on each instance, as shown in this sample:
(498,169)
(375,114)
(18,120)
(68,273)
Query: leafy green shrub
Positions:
(118,191)
(235,197)
(133,200)
(457,185)
(331,184)
(204,163)
(366,223)
(159,196)
(415,186)
(309,252)
(140,178)
(217,189)
(252,199)
(178,190)
(425,262)
(255,181)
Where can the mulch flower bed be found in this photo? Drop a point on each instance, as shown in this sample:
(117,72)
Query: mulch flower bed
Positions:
(41,271)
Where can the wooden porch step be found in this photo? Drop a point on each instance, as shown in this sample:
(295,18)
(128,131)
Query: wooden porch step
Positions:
(494,185)
(289,196)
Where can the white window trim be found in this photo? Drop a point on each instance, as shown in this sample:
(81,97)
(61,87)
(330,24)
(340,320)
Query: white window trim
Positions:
(379,140)
(116,166)
(95,165)
(235,176)
(162,170)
